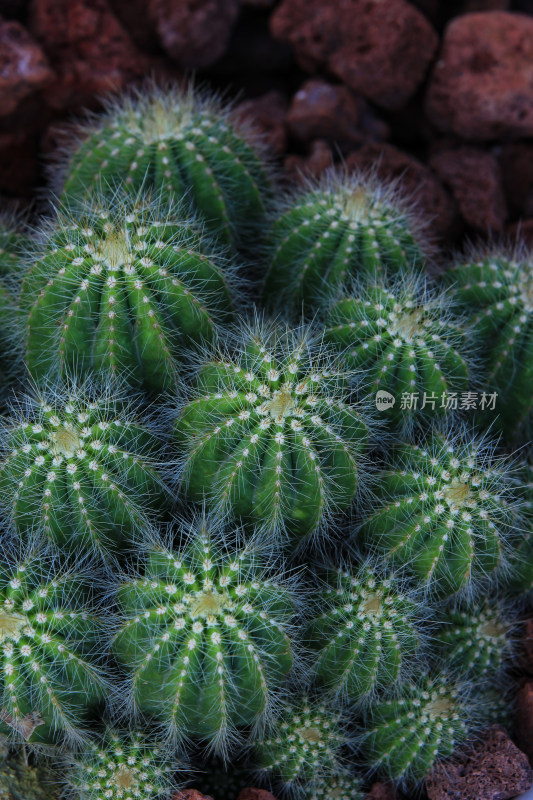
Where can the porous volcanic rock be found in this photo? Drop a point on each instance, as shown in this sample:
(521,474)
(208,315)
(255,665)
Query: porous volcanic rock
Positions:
(320,158)
(24,67)
(524,719)
(382,791)
(256,794)
(190,794)
(267,115)
(321,110)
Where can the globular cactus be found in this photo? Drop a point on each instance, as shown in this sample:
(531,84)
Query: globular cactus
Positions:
(518,578)
(123,286)
(332,231)
(122,765)
(182,143)
(407,732)
(496,288)
(77,466)
(405,338)
(445,511)
(271,432)
(365,634)
(49,633)
(341,785)
(304,745)
(204,638)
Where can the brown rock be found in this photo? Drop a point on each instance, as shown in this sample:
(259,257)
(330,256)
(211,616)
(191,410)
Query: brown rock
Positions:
(381,791)
(482,84)
(195,33)
(191,794)
(89,49)
(267,114)
(320,110)
(524,719)
(23,66)
(418,182)
(475,180)
(256,794)
(380,49)
(492,769)
(320,158)
(517,167)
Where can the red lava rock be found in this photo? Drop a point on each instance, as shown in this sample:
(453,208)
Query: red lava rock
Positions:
(380,49)
(492,769)
(320,158)
(195,33)
(320,110)
(482,84)
(475,180)
(418,182)
(524,719)
(19,168)
(23,66)
(267,114)
(381,791)
(191,794)
(89,49)
(517,166)
(256,794)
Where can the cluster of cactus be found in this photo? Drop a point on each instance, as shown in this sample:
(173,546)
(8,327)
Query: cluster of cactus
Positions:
(264,536)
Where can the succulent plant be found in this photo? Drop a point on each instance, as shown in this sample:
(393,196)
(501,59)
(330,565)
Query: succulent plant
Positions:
(332,231)
(122,765)
(404,337)
(271,432)
(77,466)
(10,322)
(204,638)
(49,675)
(122,287)
(365,634)
(341,785)
(407,732)
(496,288)
(445,511)
(518,577)
(181,143)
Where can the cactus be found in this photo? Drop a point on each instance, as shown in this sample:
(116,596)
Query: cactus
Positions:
(518,578)
(77,466)
(49,676)
(181,143)
(446,511)
(122,766)
(334,230)
(365,633)
(496,288)
(11,243)
(304,745)
(406,733)
(271,432)
(21,779)
(341,785)
(404,337)
(121,287)
(204,638)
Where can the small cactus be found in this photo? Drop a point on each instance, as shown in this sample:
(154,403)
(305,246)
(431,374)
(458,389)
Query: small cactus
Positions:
(365,634)
(122,766)
(518,578)
(341,785)
(180,143)
(406,733)
(404,337)
(77,466)
(122,285)
(271,433)
(204,639)
(335,230)
(48,675)
(445,511)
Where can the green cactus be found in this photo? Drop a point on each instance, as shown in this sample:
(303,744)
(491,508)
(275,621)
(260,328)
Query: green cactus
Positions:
(11,355)
(445,511)
(271,432)
(49,676)
(204,638)
(181,143)
(496,288)
(341,785)
(77,466)
(122,766)
(304,745)
(365,633)
(405,339)
(121,287)
(518,577)
(335,230)
(406,733)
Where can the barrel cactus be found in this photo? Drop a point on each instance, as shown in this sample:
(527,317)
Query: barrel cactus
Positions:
(405,338)
(49,675)
(271,432)
(204,638)
(445,511)
(365,634)
(78,467)
(339,228)
(518,577)
(122,287)
(182,143)
(341,785)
